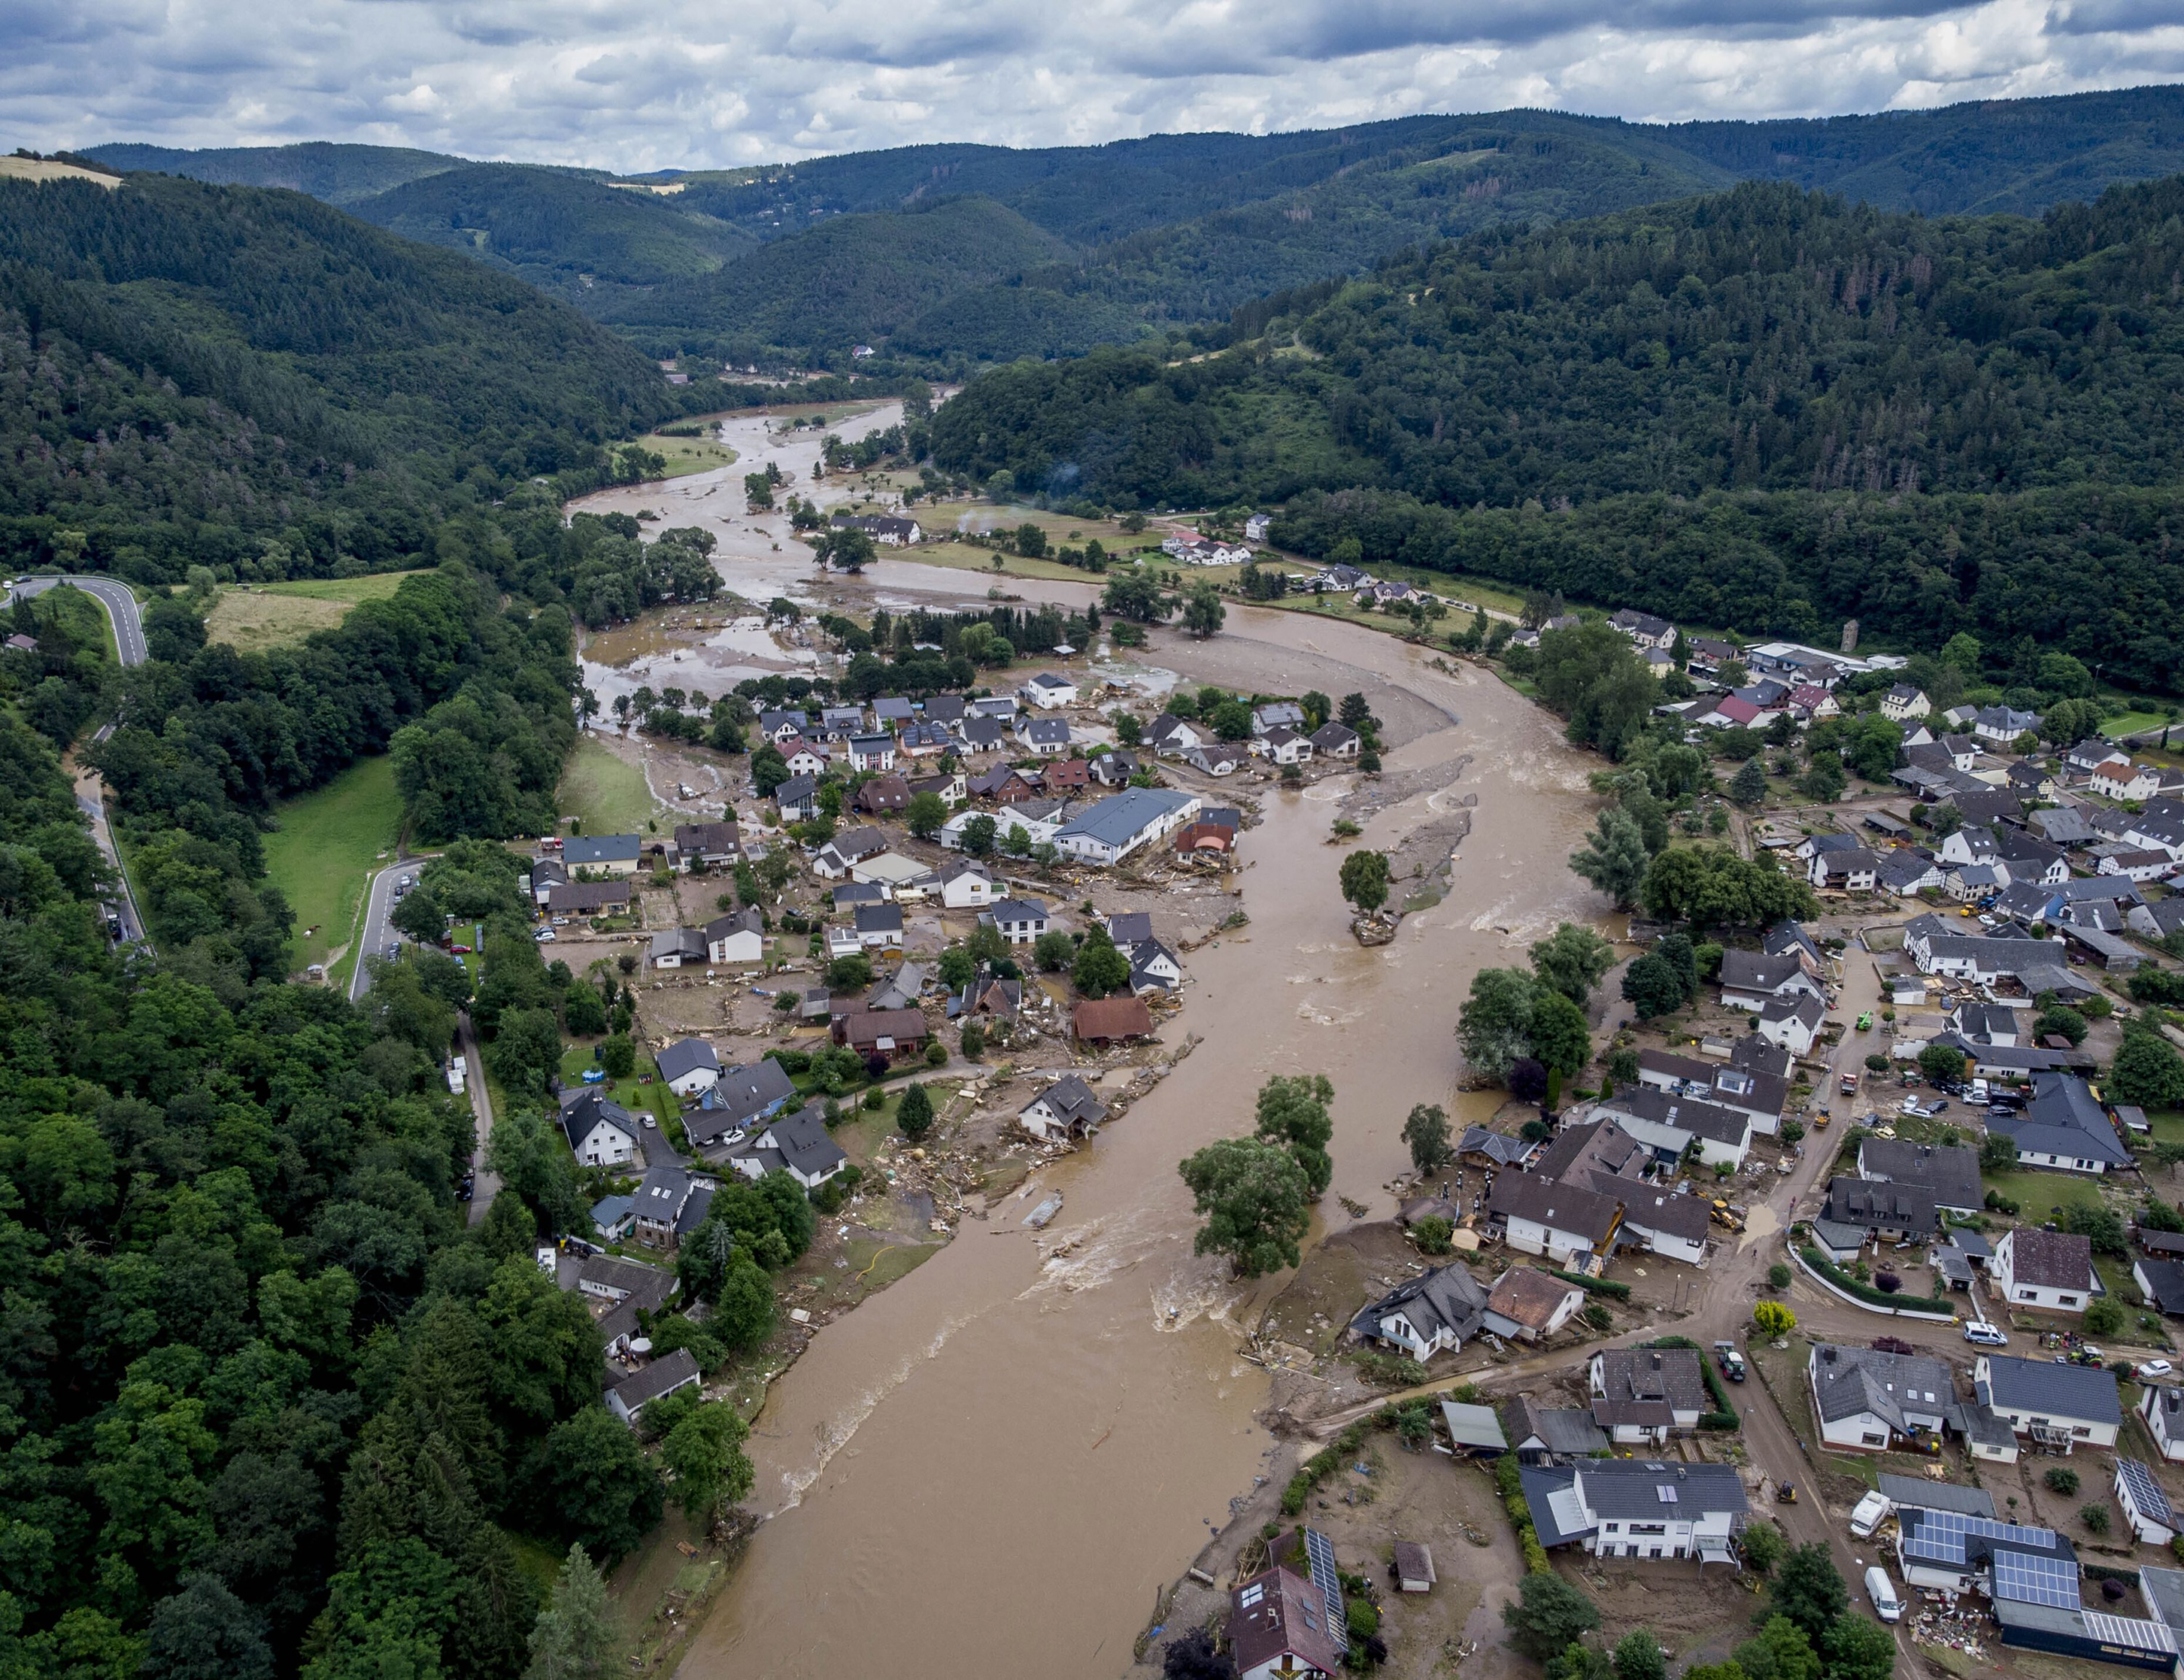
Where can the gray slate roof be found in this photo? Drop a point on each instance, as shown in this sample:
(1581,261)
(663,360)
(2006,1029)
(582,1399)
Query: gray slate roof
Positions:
(1916,1490)
(2068,1391)
(1646,1488)
(686,1055)
(666,1373)
(1850,1381)
(1447,1295)
(1950,1172)
(1565,1430)
(737,1097)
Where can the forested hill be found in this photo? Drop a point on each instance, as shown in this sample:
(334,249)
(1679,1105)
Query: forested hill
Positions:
(338,174)
(191,373)
(1766,346)
(580,239)
(1170,232)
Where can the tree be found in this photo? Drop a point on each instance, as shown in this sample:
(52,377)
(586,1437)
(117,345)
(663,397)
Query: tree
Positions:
(1572,960)
(1807,1590)
(204,1632)
(848,549)
(1528,1082)
(978,834)
(2145,1071)
(1858,1648)
(1053,950)
(2063,1479)
(1547,1615)
(1292,1112)
(1998,1152)
(1778,1277)
(915,1115)
(925,813)
(703,1455)
(2104,1316)
(1763,1546)
(1031,541)
(597,1488)
(1773,1319)
(768,770)
(1638,1657)
(1203,614)
(420,916)
(1943,1063)
(1255,1200)
(2095,1516)
(1780,1652)
(1748,787)
(1364,879)
(1824,781)
(1191,1656)
(1495,1025)
(1135,596)
(526,1051)
(584,1011)
(577,1636)
(1614,859)
(1426,1133)
(852,973)
(618,1055)
(1560,1038)
(1652,985)
(1100,968)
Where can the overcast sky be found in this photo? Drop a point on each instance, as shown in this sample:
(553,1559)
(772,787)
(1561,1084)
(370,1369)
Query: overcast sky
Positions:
(635,87)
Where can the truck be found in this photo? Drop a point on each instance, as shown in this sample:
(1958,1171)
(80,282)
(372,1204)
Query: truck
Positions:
(1728,1213)
(1849,1085)
(1730,1361)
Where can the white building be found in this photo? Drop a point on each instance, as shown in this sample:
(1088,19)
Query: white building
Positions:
(1020,920)
(2048,1270)
(2146,1509)
(1121,823)
(737,937)
(688,1066)
(964,885)
(2162,1406)
(2058,1406)
(1868,1401)
(601,1132)
(1639,1508)
(1046,691)
(1067,1109)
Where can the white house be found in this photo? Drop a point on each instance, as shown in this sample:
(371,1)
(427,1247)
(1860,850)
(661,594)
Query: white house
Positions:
(1668,1123)
(1751,979)
(879,927)
(1674,1226)
(1905,701)
(1439,1312)
(804,759)
(1038,830)
(2058,1405)
(1641,1394)
(2162,1406)
(797,1145)
(601,1132)
(1284,745)
(872,751)
(1119,825)
(1570,1225)
(2118,778)
(1641,1509)
(1171,735)
(1045,738)
(2049,1271)
(1792,1025)
(1868,1401)
(2146,1509)
(603,854)
(737,937)
(1283,1626)
(1525,1304)
(964,885)
(1021,920)
(1067,1109)
(677,947)
(852,846)
(662,1376)
(1277,714)
(688,1066)
(1046,691)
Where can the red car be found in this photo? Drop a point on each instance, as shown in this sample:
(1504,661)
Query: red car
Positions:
(459,950)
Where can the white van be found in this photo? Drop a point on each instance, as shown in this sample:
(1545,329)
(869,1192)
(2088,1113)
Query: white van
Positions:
(1979,1093)
(1868,1515)
(1878,1587)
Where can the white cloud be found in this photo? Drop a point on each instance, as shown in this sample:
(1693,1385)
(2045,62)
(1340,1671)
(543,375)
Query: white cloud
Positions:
(583,81)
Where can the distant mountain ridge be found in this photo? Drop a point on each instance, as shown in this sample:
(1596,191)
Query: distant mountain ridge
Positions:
(1168,232)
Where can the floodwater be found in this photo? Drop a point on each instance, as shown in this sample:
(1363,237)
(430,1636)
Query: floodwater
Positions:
(994,1467)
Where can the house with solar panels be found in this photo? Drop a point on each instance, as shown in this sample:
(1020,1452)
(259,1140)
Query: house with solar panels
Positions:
(1284,1624)
(2146,1508)
(2162,1406)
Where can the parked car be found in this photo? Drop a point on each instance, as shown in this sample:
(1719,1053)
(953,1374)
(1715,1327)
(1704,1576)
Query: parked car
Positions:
(459,950)
(544,936)
(2157,1367)
(1984,1334)
(1867,1517)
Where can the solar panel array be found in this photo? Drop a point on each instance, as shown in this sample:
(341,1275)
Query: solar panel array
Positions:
(2145,1492)
(1940,1534)
(2037,1578)
(1319,1553)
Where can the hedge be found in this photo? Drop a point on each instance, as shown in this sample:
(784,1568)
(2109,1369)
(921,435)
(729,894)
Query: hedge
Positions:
(1593,1285)
(1316,1470)
(1512,1490)
(1850,1286)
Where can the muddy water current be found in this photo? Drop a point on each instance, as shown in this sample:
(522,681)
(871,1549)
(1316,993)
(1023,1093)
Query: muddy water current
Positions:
(992,1467)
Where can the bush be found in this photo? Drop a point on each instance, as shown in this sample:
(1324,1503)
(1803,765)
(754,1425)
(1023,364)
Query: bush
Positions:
(1597,1316)
(2104,1316)
(936,1055)
(2062,1479)
(2095,1516)
(1887,1283)
(1593,1285)
(1876,1064)
(1778,1277)
(1432,1234)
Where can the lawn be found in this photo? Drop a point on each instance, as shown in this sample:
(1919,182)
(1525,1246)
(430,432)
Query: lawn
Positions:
(687,455)
(602,794)
(2037,1194)
(251,622)
(323,855)
(2130,723)
(378,586)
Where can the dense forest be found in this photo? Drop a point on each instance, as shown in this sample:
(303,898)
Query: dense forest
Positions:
(1163,235)
(1766,409)
(580,240)
(233,376)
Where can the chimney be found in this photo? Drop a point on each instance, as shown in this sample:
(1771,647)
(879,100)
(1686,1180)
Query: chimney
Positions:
(1657,1362)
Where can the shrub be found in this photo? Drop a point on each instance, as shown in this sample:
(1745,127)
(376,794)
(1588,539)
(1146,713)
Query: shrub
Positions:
(1876,1064)
(1593,1285)
(2104,1317)
(1887,1283)
(2062,1479)
(1773,1319)
(1778,1277)
(1432,1234)
(936,1055)
(1597,1316)
(2095,1516)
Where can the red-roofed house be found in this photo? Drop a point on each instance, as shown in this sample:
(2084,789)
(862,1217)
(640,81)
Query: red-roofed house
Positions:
(1278,1626)
(1730,713)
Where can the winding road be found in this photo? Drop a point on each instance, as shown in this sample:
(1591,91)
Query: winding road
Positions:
(127,620)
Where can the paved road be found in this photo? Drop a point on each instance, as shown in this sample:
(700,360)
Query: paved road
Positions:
(128,622)
(377,932)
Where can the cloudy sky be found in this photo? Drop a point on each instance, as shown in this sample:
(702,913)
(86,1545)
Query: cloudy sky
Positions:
(633,87)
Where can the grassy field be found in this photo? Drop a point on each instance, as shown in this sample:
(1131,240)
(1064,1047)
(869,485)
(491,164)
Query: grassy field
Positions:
(376,586)
(687,455)
(2130,723)
(2038,1193)
(324,854)
(604,794)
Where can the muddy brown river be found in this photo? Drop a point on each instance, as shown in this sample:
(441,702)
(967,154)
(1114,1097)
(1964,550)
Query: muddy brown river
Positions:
(992,1467)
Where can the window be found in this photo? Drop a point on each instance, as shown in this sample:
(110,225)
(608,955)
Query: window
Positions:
(2066,1300)
(2028,1295)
